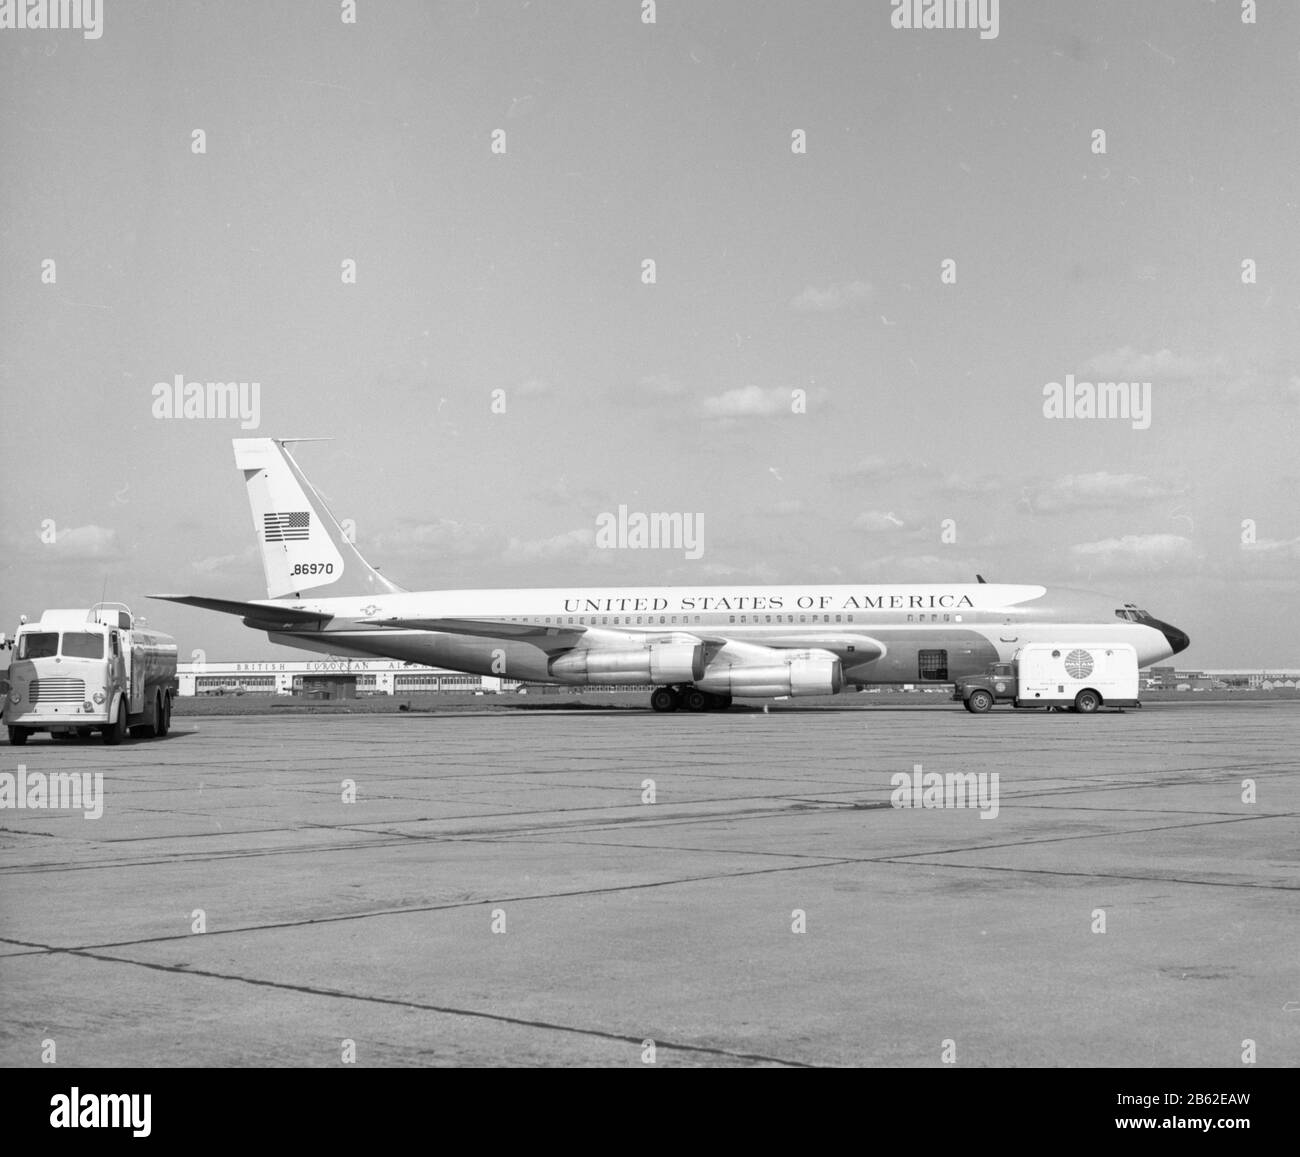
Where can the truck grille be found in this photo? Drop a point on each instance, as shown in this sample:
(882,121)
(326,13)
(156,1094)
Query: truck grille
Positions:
(58,690)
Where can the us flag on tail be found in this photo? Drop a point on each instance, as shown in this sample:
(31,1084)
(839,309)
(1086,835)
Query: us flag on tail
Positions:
(291,527)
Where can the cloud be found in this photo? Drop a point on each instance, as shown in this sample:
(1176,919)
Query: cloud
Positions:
(747,402)
(1135,552)
(1098,491)
(1269,557)
(930,568)
(458,539)
(85,542)
(973,484)
(1128,364)
(571,544)
(220,562)
(650,390)
(870,467)
(878,521)
(1274,547)
(757,573)
(842,295)
(660,386)
(561,492)
(789,506)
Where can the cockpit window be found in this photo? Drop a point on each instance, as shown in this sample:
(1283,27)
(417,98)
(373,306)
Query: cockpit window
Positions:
(1132,614)
(38,645)
(82,645)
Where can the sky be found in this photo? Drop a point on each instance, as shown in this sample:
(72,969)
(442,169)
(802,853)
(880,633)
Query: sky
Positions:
(796,370)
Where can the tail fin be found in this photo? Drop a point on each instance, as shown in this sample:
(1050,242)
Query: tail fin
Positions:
(303,546)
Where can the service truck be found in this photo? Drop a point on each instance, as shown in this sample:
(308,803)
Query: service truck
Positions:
(75,672)
(1075,676)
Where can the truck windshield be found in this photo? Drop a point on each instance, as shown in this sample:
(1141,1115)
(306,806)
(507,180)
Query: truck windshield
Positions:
(38,645)
(82,645)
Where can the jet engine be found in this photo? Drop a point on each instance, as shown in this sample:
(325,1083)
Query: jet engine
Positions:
(658,663)
(812,672)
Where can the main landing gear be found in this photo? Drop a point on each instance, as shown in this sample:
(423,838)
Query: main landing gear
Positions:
(688,698)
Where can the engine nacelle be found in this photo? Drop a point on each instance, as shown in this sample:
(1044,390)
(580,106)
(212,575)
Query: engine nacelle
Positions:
(657,663)
(803,673)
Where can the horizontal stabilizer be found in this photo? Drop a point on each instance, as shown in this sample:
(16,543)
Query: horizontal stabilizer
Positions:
(262,615)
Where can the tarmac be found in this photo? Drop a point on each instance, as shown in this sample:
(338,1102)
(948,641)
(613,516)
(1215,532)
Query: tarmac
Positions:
(510,888)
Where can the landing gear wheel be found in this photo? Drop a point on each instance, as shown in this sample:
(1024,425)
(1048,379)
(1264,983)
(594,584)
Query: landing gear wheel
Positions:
(719,702)
(978,702)
(663,699)
(1086,702)
(116,731)
(18,736)
(695,700)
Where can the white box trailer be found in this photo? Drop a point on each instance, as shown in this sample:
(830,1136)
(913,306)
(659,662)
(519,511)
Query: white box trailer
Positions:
(1084,676)
(79,671)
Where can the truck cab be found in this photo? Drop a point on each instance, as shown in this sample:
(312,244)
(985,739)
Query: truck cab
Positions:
(978,693)
(78,671)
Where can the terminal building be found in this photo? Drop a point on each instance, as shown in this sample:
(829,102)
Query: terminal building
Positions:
(1248,678)
(329,678)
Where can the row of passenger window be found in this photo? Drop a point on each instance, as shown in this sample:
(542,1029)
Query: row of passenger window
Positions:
(687,620)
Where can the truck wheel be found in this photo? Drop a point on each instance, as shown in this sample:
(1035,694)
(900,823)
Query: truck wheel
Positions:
(116,731)
(695,700)
(979,702)
(18,736)
(1086,702)
(154,729)
(164,724)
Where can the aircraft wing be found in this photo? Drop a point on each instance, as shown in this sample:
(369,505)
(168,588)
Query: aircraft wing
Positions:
(260,615)
(560,637)
(862,648)
(482,628)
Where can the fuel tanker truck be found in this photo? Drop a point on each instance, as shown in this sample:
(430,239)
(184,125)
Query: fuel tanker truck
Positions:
(77,672)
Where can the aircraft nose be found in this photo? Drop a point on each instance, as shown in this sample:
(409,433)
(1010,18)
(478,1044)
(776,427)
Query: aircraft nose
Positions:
(1178,640)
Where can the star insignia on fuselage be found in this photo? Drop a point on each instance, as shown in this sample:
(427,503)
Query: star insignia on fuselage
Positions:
(370,610)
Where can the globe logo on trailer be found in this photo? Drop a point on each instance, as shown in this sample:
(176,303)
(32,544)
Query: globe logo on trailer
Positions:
(1078,664)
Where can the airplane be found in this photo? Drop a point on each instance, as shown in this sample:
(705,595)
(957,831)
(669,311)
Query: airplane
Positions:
(699,647)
